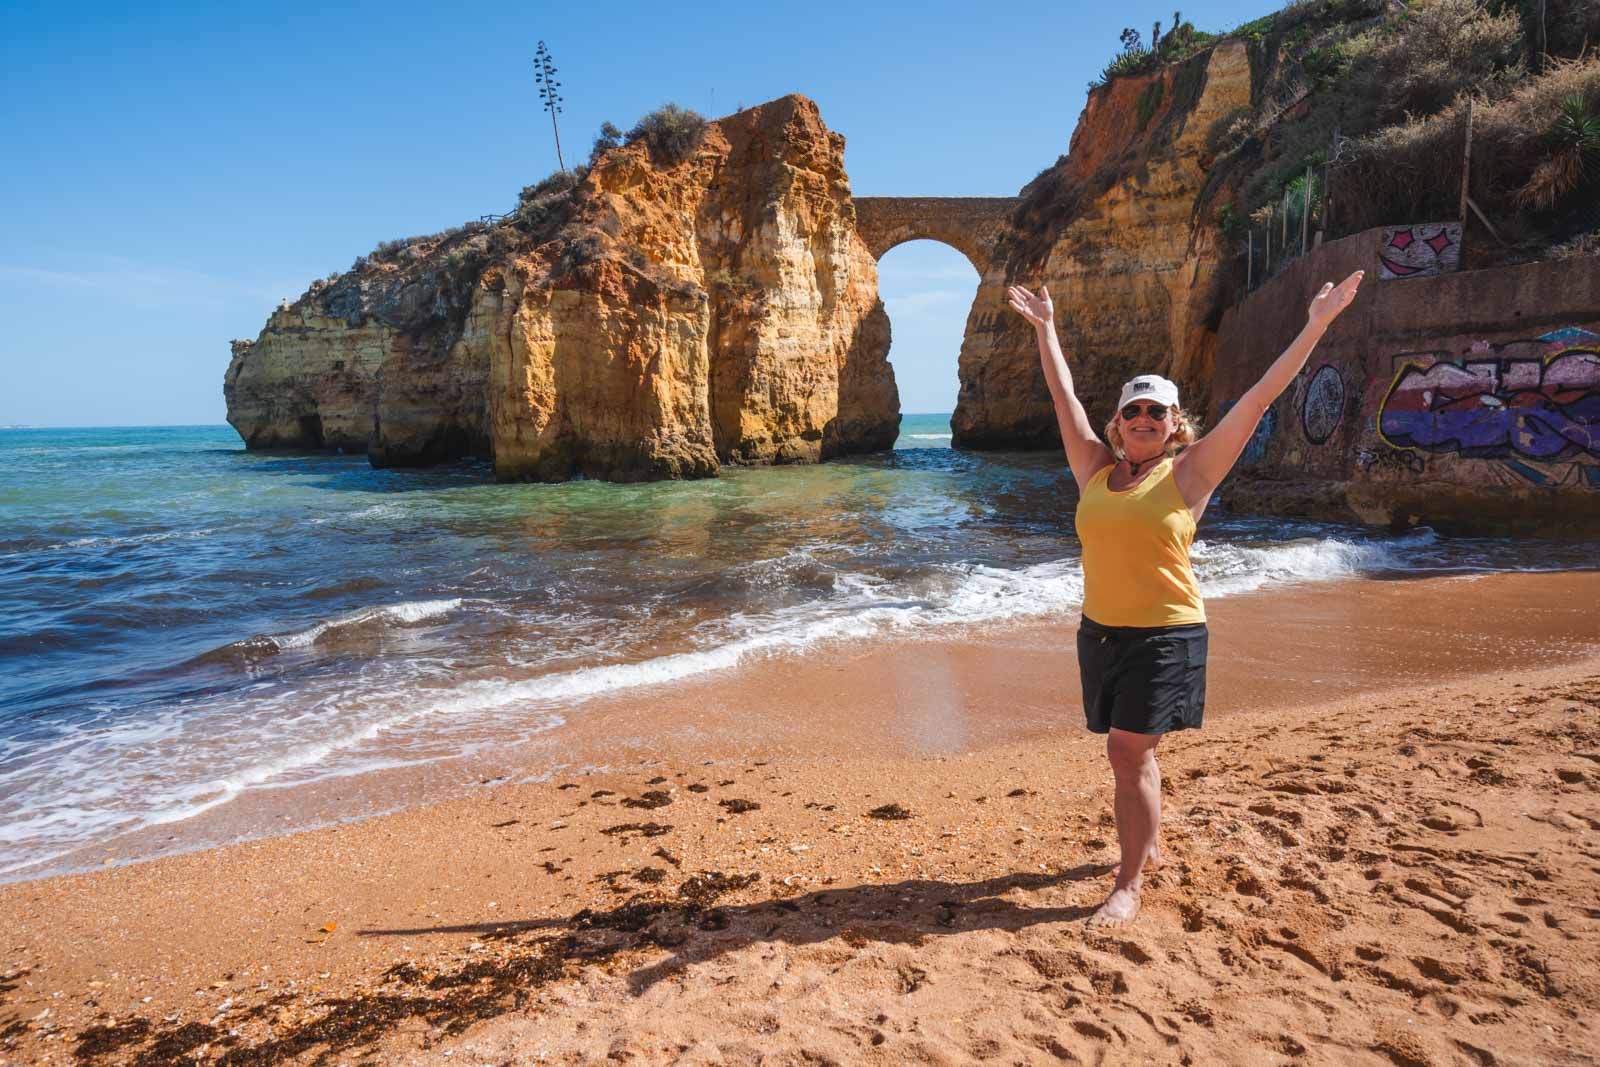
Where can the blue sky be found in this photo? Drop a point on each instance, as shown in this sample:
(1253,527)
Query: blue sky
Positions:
(173,170)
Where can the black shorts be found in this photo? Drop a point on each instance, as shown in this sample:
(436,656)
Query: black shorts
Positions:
(1148,680)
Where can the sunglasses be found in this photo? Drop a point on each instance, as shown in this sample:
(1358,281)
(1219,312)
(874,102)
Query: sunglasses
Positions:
(1155,411)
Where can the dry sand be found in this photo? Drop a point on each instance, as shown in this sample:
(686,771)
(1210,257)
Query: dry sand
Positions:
(1382,849)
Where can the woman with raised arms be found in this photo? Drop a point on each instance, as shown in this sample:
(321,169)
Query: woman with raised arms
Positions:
(1142,641)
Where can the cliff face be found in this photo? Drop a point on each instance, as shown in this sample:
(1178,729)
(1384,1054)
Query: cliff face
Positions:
(1119,232)
(666,319)
(391,360)
(722,310)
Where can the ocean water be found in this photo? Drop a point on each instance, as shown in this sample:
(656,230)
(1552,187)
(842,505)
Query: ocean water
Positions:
(186,621)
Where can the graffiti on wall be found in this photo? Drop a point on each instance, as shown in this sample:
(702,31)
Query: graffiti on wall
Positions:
(1389,461)
(1528,404)
(1255,449)
(1420,251)
(1323,407)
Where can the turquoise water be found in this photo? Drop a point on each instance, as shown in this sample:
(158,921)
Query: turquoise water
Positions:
(187,621)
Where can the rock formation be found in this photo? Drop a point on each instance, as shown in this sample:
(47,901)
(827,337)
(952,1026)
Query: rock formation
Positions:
(662,319)
(668,318)
(1116,231)
(720,310)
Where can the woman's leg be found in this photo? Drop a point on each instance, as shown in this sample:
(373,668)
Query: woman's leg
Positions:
(1138,810)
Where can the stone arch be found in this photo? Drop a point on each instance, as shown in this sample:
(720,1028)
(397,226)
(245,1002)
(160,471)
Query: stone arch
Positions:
(972,225)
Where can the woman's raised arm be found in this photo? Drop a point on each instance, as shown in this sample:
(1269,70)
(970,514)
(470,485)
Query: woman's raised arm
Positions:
(1086,453)
(1204,464)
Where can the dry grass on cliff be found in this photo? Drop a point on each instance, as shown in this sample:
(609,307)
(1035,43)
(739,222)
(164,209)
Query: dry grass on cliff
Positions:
(1413,170)
(1359,77)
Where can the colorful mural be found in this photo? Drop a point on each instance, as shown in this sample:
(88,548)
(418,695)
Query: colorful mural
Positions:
(1420,250)
(1524,402)
(1323,407)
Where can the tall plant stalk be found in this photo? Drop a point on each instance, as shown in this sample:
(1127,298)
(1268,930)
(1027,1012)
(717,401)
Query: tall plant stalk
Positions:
(544,73)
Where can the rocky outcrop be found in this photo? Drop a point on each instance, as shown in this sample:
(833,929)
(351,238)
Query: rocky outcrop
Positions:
(391,360)
(1118,232)
(662,319)
(721,310)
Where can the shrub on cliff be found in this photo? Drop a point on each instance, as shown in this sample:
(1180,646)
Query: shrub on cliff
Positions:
(670,132)
(1362,77)
(553,184)
(610,137)
(1180,42)
(1412,171)
(1230,131)
(546,201)
(1418,63)
(1574,152)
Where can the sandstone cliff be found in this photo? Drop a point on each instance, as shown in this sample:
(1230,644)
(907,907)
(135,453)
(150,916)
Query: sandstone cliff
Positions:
(658,320)
(1117,232)
(721,310)
(392,360)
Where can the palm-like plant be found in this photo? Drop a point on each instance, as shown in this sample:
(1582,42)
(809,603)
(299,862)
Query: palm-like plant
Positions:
(1575,147)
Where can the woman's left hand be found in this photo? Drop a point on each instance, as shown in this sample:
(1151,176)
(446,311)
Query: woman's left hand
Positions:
(1332,299)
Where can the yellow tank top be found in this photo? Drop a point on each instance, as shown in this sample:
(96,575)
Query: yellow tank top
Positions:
(1136,542)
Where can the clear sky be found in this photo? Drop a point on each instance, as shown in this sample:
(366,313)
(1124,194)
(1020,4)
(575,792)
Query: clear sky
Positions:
(173,170)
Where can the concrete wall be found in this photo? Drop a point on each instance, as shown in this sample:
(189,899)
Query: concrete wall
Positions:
(1467,401)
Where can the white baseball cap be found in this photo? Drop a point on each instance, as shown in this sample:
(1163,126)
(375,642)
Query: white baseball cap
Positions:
(1149,387)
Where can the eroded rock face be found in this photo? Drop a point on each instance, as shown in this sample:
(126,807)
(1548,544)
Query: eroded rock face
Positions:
(725,311)
(1132,264)
(391,360)
(675,316)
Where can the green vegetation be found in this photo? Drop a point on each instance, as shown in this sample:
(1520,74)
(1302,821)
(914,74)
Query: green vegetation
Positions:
(1229,222)
(1373,98)
(1230,131)
(1178,43)
(672,133)
(610,137)
(1574,149)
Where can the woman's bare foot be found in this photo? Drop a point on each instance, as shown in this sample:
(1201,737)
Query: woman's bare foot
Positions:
(1120,907)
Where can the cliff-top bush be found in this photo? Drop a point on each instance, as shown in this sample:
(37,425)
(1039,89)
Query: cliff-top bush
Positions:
(610,137)
(1180,42)
(1413,170)
(554,184)
(672,133)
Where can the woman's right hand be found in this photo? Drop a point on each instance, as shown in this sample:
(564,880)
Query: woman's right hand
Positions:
(1036,309)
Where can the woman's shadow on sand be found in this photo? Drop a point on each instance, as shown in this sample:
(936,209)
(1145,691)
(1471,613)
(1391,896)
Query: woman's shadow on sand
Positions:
(694,928)
(689,924)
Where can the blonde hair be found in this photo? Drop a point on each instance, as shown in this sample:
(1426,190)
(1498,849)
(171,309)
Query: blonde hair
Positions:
(1185,431)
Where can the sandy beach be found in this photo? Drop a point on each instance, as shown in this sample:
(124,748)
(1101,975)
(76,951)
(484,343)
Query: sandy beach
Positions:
(1381,849)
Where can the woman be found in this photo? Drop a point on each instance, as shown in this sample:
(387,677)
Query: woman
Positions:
(1142,643)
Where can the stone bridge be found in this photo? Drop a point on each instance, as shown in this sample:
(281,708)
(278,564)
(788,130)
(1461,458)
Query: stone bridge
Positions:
(969,224)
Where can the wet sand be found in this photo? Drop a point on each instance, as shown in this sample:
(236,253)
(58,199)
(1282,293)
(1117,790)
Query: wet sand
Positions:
(1381,849)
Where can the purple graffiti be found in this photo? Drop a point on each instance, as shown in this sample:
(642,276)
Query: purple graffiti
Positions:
(1538,408)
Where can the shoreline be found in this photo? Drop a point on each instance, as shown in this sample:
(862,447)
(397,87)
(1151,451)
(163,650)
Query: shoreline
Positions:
(1374,845)
(931,693)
